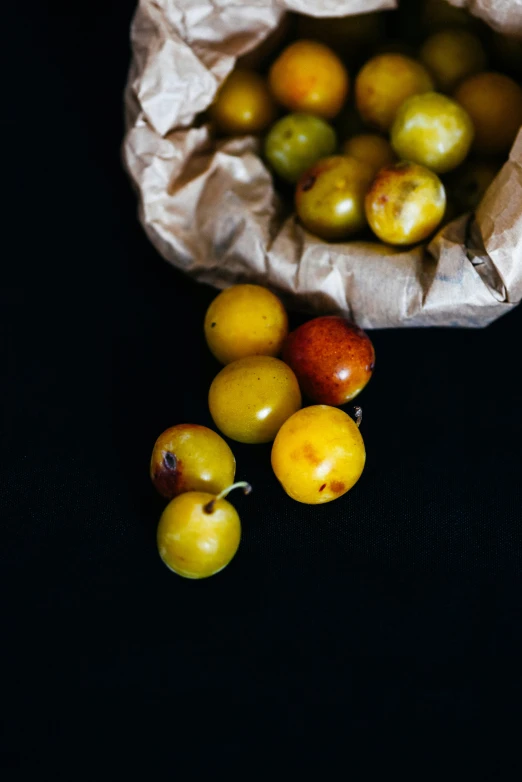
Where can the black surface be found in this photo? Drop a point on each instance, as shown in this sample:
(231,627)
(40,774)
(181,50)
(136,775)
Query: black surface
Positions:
(390,616)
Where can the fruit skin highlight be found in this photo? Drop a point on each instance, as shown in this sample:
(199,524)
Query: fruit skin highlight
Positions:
(318,454)
(333,359)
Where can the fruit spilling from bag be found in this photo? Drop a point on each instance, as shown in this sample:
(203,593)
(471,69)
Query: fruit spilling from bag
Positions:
(318,452)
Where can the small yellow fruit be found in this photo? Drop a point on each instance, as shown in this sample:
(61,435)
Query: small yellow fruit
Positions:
(198,534)
(433,130)
(251,398)
(405,203)
(384,83)
(309,77)
(494,103)
(190,457)
(245,320)
(329,198)
(243,104)
(318,454)
(451,56)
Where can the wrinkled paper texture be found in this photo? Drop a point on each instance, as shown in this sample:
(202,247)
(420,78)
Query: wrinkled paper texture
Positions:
(210,207)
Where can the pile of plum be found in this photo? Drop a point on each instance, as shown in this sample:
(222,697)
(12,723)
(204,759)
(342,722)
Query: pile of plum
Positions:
(318,452)
(377,136)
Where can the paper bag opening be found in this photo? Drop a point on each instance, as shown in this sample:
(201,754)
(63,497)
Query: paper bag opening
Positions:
(210,207)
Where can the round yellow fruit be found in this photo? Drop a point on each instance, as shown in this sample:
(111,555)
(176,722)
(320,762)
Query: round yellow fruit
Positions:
(329,198)
(243,104)
(440,14)
(494,103)
(433,130)
(252,397)
(318,454)
(384,83)
(245,320)
(405,203)
(198,535)
(190,457)
(309,77)
(451,56)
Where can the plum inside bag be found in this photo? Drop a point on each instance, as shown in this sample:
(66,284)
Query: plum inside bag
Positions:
(211,208)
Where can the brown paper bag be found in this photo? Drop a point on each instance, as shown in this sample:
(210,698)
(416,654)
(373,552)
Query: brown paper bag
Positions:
(210,207)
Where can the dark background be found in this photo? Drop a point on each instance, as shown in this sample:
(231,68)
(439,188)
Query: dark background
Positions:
(384,622)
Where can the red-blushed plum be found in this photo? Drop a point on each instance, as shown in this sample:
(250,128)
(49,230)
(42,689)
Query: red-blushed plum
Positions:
(333,359)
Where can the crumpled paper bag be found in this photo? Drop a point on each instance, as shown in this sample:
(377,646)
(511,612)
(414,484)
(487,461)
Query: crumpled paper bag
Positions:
(211,210)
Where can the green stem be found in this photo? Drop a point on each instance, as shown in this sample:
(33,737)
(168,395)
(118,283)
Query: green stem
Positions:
(209,507)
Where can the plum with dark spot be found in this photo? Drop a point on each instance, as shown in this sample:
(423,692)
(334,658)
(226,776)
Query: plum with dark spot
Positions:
(189,457)
(329,197)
